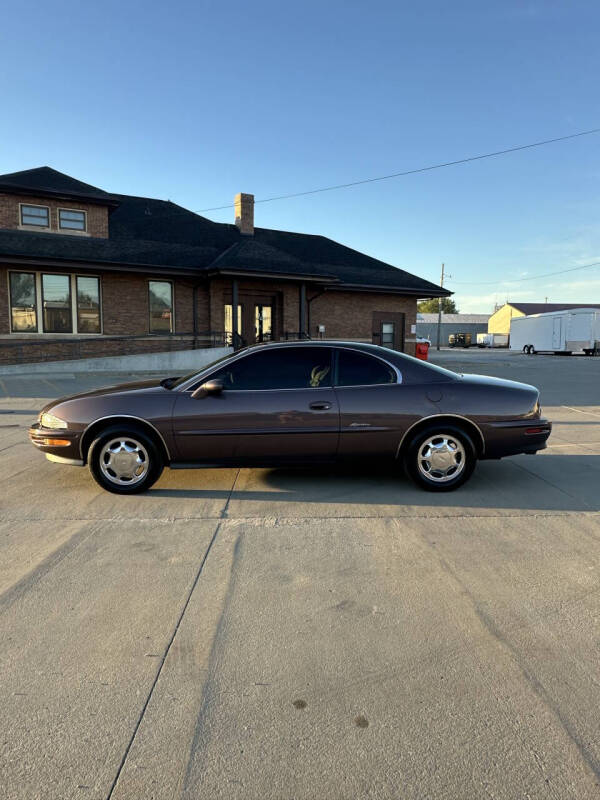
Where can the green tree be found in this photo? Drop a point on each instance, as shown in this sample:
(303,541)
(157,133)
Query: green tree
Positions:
(431,306)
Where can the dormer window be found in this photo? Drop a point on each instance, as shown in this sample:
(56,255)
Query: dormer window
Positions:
(71,220)
(38,216)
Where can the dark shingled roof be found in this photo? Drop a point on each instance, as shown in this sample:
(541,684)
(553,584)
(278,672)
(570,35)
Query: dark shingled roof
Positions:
(45,180)
(543,308)
(159,234)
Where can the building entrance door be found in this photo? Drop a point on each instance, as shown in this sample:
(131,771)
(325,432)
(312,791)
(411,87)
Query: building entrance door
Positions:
(388,329)
(263,322)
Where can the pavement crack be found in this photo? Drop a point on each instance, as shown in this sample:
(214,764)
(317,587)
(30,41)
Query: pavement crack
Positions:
(224,512)
(163,659)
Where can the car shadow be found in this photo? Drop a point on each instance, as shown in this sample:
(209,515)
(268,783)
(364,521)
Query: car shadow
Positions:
(550,482)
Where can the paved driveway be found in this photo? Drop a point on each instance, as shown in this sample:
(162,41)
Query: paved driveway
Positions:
(309,634)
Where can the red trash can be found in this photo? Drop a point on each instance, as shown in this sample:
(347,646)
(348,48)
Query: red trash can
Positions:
(422,350)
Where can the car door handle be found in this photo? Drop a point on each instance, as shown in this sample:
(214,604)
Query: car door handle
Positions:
(322,405)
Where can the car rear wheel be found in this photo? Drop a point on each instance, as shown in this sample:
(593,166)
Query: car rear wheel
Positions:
(125,460)
(440,458)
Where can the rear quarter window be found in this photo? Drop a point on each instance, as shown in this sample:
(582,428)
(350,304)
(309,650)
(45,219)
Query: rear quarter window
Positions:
(361,369)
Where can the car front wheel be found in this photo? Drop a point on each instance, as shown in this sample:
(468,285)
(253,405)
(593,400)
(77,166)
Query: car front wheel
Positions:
(125,460)
(440,458)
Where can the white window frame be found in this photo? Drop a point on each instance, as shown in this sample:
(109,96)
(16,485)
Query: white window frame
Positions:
(40,311)
(172,330)
(25,226)
(72,230)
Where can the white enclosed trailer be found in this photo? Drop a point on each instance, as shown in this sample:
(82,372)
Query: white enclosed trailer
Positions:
(492,340)
(557,332)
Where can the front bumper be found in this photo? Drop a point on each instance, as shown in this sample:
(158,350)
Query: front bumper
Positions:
(60,445)
(514,437)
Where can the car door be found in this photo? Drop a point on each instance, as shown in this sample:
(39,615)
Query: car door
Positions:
(374,406)
(277,405)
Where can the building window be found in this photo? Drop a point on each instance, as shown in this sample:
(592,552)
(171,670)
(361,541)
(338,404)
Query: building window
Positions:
(56,304)
(88,305)
(161,306)
(35,215)
(229,322)
(387,334)
(23,305)
(71,220)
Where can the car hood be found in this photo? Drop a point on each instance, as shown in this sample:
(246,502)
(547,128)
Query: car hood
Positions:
(488,380)
(152,384)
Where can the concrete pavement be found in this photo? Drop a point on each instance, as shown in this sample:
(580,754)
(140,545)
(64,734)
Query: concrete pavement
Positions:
(305,634)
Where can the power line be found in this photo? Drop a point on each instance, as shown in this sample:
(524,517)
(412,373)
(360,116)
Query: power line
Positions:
(409,171)
(530,278)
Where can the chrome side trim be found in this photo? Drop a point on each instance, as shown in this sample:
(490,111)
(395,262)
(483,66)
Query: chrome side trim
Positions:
(436,416)
(124,416)
(73,462)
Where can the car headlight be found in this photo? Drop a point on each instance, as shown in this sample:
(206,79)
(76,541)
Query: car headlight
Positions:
(50,421)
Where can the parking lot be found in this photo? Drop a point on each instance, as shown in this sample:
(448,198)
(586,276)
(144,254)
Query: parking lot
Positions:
(329,633)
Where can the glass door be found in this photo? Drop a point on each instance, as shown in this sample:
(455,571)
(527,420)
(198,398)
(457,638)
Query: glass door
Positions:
(263,316)
(229,322)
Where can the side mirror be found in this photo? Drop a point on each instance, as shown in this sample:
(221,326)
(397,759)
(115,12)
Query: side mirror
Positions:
(210,387)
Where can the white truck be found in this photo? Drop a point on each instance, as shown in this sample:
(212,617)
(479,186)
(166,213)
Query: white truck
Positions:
(557,332)
(492,340)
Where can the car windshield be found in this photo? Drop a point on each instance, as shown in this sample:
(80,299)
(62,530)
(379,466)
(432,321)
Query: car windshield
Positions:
(173,383)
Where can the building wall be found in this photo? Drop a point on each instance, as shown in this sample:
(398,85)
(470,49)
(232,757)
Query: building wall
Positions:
(349,315)
(428,330)
(125,312)
(499,322)
(97,216)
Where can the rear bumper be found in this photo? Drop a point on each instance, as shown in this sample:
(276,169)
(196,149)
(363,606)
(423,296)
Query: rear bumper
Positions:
(515,436)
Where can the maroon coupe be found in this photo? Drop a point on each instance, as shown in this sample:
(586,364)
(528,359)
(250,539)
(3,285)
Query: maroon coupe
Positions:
(295,403)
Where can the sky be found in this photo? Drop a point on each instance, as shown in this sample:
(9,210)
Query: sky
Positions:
(195,101)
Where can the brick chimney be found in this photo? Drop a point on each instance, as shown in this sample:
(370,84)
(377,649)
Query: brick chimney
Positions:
(244,213)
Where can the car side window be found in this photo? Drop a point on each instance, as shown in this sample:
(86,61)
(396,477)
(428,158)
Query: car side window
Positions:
(360,369)
(280,368)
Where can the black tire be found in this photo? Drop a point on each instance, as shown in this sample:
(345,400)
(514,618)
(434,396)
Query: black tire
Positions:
(526,349)
(137,445)
(453,434)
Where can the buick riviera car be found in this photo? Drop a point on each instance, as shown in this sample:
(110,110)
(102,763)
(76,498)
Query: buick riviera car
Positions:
(296,403)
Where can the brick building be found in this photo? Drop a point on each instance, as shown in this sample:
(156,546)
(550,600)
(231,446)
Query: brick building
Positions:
(84,272)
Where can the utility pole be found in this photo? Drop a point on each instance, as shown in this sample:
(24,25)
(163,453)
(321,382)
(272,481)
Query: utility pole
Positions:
(439,325)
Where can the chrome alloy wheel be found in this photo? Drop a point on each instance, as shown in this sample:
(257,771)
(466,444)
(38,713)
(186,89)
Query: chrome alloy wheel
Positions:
(441,458)
(124,461)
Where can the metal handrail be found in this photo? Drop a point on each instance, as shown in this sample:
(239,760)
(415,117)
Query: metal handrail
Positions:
(216,336)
